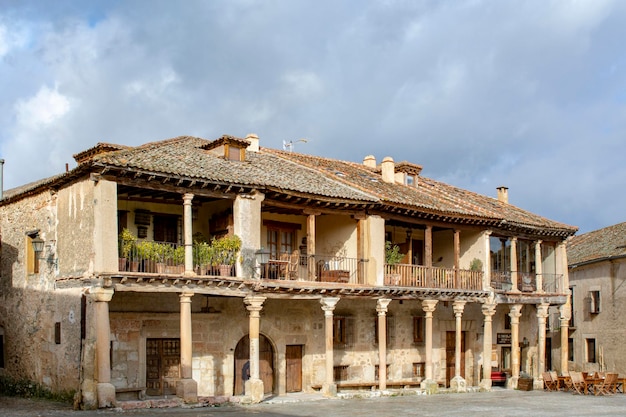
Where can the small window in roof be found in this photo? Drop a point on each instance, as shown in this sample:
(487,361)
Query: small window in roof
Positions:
(410,180)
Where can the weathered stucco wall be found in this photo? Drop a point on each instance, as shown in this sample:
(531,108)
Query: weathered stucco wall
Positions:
(31,305)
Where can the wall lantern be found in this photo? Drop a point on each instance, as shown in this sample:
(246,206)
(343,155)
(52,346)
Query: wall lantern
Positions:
(262,259)
(525,343)
(38,244)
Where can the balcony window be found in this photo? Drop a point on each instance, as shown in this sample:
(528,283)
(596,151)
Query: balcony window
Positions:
(594,302)
(418,330)
(166,228)
(281,237)
(591,350)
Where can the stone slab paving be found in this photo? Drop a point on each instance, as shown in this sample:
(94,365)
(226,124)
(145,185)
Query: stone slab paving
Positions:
(498,403)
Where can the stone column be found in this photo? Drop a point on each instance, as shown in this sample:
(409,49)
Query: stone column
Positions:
(328,305)
(458,383)
(429,384)
(538,266)
(105,390)
(381,308)
(254,386)
(542,315)
(188,233)
(565,312)
(186,387)
(515,314)
(247,225)
(489,309)
(513,266)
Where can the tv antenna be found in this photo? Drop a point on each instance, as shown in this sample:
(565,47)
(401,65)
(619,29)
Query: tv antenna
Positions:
(288,146)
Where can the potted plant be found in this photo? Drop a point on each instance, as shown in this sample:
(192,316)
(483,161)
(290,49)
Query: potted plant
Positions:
(225,250)
(151,253)
(203,256)
(393,258)
(128,243)
(178,259)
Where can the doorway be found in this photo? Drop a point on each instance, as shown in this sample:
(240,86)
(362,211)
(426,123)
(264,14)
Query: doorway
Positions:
(162,366)
(293,358)
(548,353)
(450,356)
(266,364)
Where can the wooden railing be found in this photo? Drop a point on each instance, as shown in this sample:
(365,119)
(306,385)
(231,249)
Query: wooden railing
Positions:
(323,268)
(419,276)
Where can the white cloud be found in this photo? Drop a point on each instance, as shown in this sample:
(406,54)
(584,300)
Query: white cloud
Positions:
(11,38)
(46,107)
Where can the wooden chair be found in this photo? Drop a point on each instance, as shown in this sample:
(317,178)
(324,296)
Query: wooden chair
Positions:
(567,381)
(283,268)
(578,383)
(549,383)
(608,386)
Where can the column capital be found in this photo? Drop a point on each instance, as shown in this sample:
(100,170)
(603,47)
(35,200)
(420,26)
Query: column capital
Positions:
(381,305)
(515,313)
(185,297)
(513,239)
(538,242)
(489,309)
(458,307)
(254,302)
(101,294)
(488,232)
(329,303)
(429,305)
(187,197)
(542,310)
(565,312)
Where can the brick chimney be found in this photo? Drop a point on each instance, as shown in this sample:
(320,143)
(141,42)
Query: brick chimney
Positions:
(254,142)
(388,170)
(503,194)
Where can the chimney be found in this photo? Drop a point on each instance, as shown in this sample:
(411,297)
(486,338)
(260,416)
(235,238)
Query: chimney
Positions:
(254,142)
(369,161)
(388,168)
(1,178)
(503,194)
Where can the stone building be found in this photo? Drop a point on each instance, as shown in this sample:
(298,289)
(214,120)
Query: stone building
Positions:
(348,275)
(597,270)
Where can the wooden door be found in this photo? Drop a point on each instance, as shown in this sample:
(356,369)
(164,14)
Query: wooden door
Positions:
(293,357)
(162,366)
(450,355)
(548,353)
(266,364)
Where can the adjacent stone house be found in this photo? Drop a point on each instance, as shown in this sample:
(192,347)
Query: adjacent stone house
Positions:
(118,275)
(597,270)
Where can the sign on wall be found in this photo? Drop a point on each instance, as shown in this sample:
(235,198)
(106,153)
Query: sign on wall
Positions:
(503,338)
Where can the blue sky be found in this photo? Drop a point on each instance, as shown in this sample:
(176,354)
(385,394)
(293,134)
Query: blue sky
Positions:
(526,94)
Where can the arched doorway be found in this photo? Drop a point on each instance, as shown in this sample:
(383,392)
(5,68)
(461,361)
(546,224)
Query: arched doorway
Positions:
(266,363)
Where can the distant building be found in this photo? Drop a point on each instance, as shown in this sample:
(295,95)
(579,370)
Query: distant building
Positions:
(597,271)
(116,282)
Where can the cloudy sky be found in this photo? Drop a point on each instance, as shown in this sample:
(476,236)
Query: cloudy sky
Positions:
(526,94)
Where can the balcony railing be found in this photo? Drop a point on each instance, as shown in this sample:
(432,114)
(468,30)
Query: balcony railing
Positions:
(405,275)
(322,268)
(501,280)
(552,283)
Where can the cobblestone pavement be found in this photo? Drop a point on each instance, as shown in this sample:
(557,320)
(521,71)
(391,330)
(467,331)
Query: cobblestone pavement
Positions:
(500,403)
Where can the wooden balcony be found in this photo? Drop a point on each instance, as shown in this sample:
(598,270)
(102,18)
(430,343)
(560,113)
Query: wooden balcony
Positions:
(419,276)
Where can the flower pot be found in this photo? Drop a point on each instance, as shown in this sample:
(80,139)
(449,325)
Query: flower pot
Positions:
(225,270)
(134,266)
(121,264)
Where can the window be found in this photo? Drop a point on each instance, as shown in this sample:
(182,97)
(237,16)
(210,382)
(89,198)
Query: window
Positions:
(57,333)
(507,322)
(570,349)
(339,330)
(418,369)
(32,263)
(340,373)
(166,228)
(572,323)
(418,330)
(343,331)
(281,237)
(594,302)
(591,350)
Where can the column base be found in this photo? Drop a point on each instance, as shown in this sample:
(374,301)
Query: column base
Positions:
(429,386)
(106,395)
(511,383)
(254,390)
(329,390)
(485,385)
(458,384)
(187,389)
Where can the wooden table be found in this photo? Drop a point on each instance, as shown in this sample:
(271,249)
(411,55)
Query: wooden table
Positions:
(562,382)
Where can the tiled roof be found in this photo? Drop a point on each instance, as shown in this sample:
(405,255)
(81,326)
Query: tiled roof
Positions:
(600,244)
(183,156)
(429,195)
(289,172)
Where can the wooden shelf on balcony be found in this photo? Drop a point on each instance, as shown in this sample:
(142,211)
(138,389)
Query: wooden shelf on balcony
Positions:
(336,275)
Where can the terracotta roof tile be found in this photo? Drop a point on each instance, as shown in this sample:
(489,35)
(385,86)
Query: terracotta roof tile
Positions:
(600,244)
